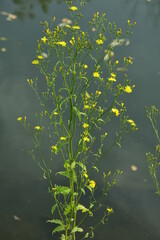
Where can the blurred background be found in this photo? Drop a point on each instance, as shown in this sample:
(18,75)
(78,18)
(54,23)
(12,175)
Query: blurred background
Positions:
(24,200)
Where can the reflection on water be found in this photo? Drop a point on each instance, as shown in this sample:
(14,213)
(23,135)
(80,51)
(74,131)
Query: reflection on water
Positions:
(27,8)
(23,192)
(151,7)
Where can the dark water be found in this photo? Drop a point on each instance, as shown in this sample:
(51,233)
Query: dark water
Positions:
(23,191)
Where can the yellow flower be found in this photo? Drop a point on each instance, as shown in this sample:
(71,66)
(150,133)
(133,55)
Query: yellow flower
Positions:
(128,21)
(35,62)
(73,8)
(96,74)
(128,89)
(63,138)
(98,93)
(85,125)
(44,39)
(109,210)
(87,107)
(99,41)
(86,139)
(54,147)
(72,41)
(85,174)
(105,134)
(113,75)
(117,62)
(131,122)
(40,57)
(62,43)
(92,184)
(19,119)
(55,113)
(85,66)
(76,27)
(116,111)
(37,128)
(112,78)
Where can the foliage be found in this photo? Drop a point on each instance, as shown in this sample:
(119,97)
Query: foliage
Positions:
(153,159)
(83,115)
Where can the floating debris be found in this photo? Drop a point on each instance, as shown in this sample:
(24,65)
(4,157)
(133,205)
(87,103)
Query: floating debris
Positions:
(109,54)
(3,49)
(3,39)
(45,55)
(62,24)
(121,69)
(134,168)
(119,42)
(10,16)
(16,218)
(66,20)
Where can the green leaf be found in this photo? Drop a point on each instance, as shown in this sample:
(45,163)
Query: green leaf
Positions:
(81,165)
(64,173)
(59,229)
(63,190)
(77,229)
(67,209)
(83,191)
(82,208)
(76,112)
(53,208)
(56,221)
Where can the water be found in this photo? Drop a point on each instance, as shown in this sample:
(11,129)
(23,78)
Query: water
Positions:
(23,192)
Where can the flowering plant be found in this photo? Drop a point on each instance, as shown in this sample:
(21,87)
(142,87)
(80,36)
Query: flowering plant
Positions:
(153,159)
(82,108)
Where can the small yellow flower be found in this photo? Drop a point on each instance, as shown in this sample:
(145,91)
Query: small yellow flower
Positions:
(62,43)
(133,86)
(128,21)
(96,74)
(105,134)
(98,93)
(109,210)
(99,41)
(63,138)
(117,62)
(116,111)
(85,174)
(112,78)
(72,41)
(35,62)
(19,119)
(73,8)
(54,147)
(37,128)
(44,39)
(85,125)
(40,57)
(131,122)
(87,107)
(76,27)
(92,184)
(55,113)
(128,89)
(85,66)
(86,139)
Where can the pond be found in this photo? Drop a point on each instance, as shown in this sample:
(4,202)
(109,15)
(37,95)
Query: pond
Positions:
(24,200)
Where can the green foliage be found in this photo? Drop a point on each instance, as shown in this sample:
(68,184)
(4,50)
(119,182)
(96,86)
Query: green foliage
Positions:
(83,95)
(153,160)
